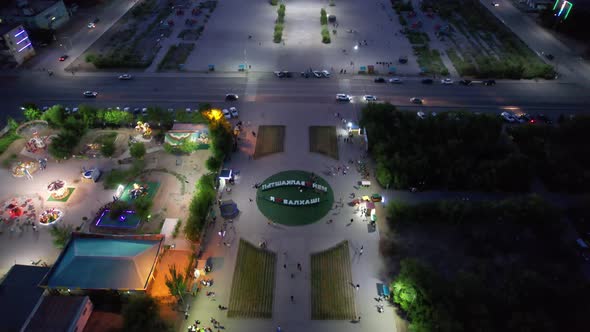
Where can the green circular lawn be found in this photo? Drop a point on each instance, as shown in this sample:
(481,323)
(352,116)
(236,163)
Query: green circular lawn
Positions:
(298,214)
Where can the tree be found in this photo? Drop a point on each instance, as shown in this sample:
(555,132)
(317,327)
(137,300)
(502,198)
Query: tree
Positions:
(108,148)
(88,115)
(60,234)
(143,206)
(115,117)
(137,150)
(213,164)
(32,114)
(176,283)
(55,116)
(142,314)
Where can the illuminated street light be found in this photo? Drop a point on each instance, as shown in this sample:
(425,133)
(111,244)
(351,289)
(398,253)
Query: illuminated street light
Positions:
(356,47)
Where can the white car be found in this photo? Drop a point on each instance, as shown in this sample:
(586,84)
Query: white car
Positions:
(495,4)
(226,113)
(421,115)
(234,112)
(91,25)
(317,74)
(326,73)
(446,81)
(342,97)
(144,111)
(188,110)
(171,110)
(126,109)
(44,109)
(395,80)
(125,77)
(508,117)
(90,94)
(75,110)
(370,98)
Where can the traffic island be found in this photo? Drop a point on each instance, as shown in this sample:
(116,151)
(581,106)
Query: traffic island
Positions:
(294,198)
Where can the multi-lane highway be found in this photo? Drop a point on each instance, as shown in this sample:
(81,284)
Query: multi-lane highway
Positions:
(180,91)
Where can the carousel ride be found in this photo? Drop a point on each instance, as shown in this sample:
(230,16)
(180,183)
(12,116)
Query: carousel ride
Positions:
(57,189)
(37,144)
(50,216)
(138,190)
(144,130)
(25,168)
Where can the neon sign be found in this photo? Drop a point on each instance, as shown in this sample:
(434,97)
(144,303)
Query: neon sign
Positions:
(564,6)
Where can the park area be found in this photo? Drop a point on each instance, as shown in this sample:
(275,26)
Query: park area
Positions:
(322,139)
(270,139)
(253,283)
(332,293)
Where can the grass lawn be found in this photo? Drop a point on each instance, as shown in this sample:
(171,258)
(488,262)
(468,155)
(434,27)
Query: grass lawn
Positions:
(175,56)
(270,139)
(294,215)
(429,59)
(253,283)
(322,139)
(6,140)
(332,295)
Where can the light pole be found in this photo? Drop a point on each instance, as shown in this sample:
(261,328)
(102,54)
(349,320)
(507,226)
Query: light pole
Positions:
(245,61)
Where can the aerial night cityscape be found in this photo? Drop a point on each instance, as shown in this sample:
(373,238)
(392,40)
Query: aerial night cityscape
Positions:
(294,165)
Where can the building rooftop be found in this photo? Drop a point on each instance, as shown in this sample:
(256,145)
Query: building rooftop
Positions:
(56,313)
(93,261)
(25,7)
(19,294)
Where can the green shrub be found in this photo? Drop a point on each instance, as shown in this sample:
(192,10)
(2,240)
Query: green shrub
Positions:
(278,34)
(213,164)
(274,2)
(326,35)
(142,206)
(32,114)
(323,17)
(90,57)
(137,150)
(6,140)
(108,148)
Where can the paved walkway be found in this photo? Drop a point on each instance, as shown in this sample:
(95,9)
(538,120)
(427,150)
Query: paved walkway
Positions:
(298,242)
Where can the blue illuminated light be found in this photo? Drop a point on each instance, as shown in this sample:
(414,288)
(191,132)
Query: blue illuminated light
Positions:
(22,40)
(20,33)
(29,44)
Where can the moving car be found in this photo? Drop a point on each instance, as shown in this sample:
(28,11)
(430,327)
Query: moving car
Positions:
(525,117)
(234,112)
(446,81)
(63,57)
(370,98)
(231,97)
(395,80)
(465,82)
(379,80)
(90,94)
(495,4)
(125,77)
(508,117)
(416,100)
(489,82)
(542,118)
(342,97)
(226,113)
(91,25)
(427,81)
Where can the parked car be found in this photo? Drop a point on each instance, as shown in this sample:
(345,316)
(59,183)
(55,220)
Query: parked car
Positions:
(465,82)
(421,115)
(495,4)
(542,118)
(125,77)
(126,109)
(525,118)
(403,59)
(489,82)
(317,74)
(90,94)
(63,57)
(416,100)
(446,81)
(427,81)
(231,97)
(75,110)
(279,74)
(144,111)
(508,117)
(342,97)
(91,25)
(188,110)
(379,80)
(305,74)
(325,73)
(549,56)
(370,98)
(395,80)
(226,113)
(234,112)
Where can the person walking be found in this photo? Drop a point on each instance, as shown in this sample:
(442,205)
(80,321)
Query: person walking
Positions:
(361,251)
(292,299)
(358,286)
(285,266)
(298,266)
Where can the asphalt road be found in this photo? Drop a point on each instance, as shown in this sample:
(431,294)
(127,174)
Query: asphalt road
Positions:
(550,97)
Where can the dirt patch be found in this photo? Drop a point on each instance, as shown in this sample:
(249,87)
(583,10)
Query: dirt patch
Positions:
(271,139)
